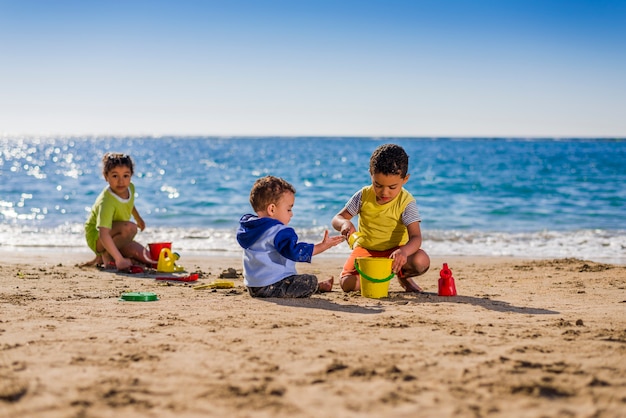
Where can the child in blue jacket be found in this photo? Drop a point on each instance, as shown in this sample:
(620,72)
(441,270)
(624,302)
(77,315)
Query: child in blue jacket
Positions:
(271,248)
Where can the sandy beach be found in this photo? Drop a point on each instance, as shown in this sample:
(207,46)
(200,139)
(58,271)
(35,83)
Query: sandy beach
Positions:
(523,338)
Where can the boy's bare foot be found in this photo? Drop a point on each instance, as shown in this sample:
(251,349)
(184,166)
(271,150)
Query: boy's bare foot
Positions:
(326,285)
(409,285)
(108,262)
(97,260)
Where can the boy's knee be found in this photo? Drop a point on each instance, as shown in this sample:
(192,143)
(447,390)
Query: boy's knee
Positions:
(129,229)
(423,261)
(348,283)
(418,265)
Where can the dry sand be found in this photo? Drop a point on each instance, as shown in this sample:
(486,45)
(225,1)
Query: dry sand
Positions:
(524,338)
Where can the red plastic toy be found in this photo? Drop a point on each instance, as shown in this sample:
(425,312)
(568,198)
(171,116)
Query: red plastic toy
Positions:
(446,282)
(190,278)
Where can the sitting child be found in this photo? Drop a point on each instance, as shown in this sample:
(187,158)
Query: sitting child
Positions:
(271,248)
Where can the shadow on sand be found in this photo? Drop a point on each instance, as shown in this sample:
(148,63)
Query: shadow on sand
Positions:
(484,302)
(396,298)
(328,305)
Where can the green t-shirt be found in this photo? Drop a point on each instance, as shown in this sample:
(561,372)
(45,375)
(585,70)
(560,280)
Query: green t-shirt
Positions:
(107,209)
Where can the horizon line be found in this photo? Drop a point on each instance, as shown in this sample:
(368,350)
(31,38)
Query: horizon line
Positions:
(283,136)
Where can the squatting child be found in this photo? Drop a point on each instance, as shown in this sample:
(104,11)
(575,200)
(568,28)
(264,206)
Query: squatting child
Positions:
(109,231)
(271,248)
(389,221)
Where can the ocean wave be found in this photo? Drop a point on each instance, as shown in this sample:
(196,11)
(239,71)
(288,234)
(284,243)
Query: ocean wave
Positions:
(595,245)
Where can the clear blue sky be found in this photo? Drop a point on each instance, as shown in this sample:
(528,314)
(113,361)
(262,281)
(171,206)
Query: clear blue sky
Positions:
(296,67)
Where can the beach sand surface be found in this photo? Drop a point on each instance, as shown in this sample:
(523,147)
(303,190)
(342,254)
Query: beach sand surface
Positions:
(523,338)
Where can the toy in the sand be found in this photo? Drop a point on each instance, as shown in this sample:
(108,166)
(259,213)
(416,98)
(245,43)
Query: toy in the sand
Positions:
(375,273)
(133,269)
(190,278)
(167,262)
(156,247)
(162,251)
(446,282)
(217,284)
(139,297)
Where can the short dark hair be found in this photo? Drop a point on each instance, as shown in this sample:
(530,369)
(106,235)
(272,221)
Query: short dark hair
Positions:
(389,159)
(267,190)
(116,159)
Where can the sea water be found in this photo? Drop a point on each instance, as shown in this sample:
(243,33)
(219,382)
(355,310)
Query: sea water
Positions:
(538,198)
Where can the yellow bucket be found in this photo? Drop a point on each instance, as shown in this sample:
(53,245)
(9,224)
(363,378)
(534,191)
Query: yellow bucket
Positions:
(375,273)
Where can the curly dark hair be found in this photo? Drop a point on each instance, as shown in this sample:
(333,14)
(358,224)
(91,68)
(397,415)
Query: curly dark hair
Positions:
(116,159)
(389,159)
(267,190)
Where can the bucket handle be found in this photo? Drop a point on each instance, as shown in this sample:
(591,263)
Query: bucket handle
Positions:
(371,279)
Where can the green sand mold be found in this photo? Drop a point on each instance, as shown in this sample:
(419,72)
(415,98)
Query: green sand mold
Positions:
(139,297)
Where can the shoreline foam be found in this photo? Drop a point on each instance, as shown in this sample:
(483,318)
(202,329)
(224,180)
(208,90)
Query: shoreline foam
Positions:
(596,245)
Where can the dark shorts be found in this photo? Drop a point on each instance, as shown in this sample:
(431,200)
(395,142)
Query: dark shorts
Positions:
(297,286)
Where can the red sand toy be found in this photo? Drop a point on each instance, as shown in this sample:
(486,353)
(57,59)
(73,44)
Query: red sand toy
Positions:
(190,278)
(446,282)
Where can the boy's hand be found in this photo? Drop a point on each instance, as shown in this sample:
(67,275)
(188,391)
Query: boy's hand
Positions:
(399,259)
(140,223)
(332,241)
(347,229)
(123,264)
(327,242)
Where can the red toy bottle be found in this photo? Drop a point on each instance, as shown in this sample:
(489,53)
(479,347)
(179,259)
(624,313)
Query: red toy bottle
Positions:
(446,282)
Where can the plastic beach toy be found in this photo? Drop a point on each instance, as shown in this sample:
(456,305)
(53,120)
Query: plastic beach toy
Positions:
(133,269)
(139,297)
(375,274)
(446,282)
(353,240)
(217,284)
(167,261)
(190,278)
(156,247)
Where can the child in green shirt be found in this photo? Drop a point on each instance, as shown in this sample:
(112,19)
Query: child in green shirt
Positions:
(109,231)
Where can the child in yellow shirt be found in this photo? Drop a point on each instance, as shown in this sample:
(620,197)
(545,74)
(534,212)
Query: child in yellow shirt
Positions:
(389,221)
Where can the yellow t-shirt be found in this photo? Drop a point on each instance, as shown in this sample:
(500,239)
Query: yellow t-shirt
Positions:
(381,226)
